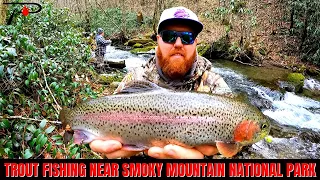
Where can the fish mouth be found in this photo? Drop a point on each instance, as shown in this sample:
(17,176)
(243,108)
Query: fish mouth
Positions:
(265,128)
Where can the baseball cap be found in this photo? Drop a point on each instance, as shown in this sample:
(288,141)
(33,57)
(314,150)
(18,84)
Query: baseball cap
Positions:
(100,30)
(180,15)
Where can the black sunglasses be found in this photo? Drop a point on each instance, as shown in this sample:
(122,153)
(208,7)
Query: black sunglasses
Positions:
(169,36)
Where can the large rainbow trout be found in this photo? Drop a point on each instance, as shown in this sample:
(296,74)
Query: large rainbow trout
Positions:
(146,115)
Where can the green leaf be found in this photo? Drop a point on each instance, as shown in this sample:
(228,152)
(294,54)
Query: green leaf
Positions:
(27,154)
(37,132)
(2,151)
(27,82)
(9,152)
(33,142)
(49,129)
(43,141)
(39,138)
(56,137)
(31,128)
(78,156)
(9,144)
(49,147)
(10,112)
(43,123)
(20,65)
(12,51)
(38,148)
(5,124)
(73,151)
(1,70)
(54,152)
(59,142)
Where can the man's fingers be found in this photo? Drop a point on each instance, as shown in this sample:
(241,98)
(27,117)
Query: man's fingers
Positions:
(121,154)
(178,152)
(105,146)
(207,150)
(157,152)
(111,148)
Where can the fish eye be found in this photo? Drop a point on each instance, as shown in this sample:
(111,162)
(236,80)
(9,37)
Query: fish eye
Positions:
(263,126)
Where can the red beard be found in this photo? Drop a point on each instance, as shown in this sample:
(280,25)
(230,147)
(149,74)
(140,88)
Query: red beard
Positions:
(175,67)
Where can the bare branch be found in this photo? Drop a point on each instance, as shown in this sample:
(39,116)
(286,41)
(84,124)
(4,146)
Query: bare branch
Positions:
(29,119)
(45,79)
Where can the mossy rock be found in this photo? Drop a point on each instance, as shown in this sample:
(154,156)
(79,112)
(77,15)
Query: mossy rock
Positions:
(132,42)
(137,45)
(150,44)
(144,49)
(203,48)
(109,78)
(297,79)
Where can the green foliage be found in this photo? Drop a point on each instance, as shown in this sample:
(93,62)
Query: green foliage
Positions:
(239,20)
(111,21)
(306,25)
(296,77)
(41,57)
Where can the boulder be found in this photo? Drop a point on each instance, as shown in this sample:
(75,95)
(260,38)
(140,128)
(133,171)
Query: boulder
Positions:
(132,42)
(297,79)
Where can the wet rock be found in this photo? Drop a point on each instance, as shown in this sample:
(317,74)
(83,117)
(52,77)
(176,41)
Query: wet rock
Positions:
(259,99)
(283,148)
(286,86)
(137,45)
(282,131)
(132,42)
(297,79)
(261,103)
(109,78)
(311,84)
(310,136)
(144,49)
(114,84)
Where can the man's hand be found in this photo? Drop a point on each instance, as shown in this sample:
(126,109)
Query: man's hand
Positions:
(113,149)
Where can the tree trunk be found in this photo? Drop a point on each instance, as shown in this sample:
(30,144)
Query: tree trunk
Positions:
(159,7)
(87,16)
(305,31)
(291,19)
(3,12)
(124,33)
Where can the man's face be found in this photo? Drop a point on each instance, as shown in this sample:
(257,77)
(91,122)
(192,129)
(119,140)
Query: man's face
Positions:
(175,59)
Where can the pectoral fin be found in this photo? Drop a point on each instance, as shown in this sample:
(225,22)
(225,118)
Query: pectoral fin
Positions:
(228,149)
(83,137)
(132,147)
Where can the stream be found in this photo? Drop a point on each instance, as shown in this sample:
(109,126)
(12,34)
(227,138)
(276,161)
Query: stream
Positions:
(295,118)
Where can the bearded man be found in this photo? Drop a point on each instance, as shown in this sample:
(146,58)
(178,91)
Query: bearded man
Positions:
(176,65)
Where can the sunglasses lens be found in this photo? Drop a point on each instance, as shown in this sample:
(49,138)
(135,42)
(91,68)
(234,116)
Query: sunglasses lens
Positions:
(171,36)
(187,38)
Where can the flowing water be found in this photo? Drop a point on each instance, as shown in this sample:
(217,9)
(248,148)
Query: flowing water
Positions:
(295,118)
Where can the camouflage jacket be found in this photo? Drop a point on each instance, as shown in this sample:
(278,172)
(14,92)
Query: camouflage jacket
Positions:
(200,78)
(101,45)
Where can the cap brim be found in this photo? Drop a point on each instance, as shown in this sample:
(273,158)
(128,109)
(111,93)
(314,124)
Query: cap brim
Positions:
(195,25)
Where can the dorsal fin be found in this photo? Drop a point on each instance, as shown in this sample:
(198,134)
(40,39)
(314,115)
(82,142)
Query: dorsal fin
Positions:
(137,86)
